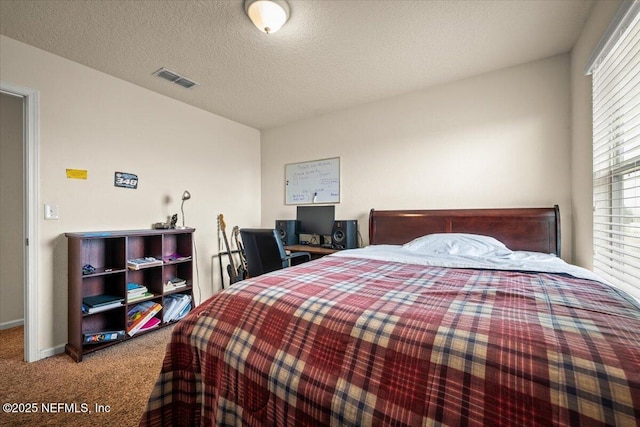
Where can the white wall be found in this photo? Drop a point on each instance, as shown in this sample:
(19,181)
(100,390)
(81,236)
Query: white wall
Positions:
(581,123)
(95,122)
(11,212)
(500,139)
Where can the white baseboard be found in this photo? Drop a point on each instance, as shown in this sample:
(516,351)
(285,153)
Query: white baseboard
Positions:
(51,351)
(11,324)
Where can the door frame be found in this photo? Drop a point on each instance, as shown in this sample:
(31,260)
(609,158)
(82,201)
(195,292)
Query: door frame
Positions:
(31,165)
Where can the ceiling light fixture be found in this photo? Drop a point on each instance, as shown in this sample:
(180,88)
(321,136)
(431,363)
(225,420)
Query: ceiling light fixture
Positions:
(267,15)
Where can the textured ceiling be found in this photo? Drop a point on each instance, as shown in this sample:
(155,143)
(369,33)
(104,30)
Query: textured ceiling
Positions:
(329,55)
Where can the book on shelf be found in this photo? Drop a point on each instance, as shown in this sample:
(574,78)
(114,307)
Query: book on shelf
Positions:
(135,287)
(101,300)
(138,297)
(150,324)
(103,336)
(137,292)
(140,314)
(91,310)
(175,257)
(98,303)
(145,262)
(174,283)
(175,306)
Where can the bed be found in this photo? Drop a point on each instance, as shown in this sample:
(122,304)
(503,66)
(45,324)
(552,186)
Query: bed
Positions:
(449,317)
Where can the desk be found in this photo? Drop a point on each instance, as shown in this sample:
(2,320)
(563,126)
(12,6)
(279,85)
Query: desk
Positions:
(315,251)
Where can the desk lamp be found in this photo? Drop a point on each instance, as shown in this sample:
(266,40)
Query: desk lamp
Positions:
(185,196)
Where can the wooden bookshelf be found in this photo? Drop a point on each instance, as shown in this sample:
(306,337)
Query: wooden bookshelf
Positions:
(108,253)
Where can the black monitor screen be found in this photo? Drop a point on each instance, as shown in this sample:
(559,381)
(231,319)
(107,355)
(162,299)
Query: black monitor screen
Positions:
(316,219)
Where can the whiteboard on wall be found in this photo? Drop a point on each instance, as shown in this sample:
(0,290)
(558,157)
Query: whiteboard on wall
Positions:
(316,181)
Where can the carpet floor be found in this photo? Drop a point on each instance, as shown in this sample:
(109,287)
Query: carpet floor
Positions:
(116,380)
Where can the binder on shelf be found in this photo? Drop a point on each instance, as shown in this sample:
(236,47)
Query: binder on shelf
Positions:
(141,314)
(145,262)
(184,312)
(100,337)
(175,306)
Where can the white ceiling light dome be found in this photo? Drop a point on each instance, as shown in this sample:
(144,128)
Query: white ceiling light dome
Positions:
(267,15)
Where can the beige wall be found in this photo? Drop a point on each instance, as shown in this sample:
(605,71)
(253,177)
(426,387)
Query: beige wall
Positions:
(500,139)
(581,123)
(11,212)
(95,122)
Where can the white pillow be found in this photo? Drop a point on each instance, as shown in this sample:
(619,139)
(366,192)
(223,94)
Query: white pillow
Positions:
(457,244)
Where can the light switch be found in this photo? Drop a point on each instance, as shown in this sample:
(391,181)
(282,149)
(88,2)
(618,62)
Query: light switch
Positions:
(50,211)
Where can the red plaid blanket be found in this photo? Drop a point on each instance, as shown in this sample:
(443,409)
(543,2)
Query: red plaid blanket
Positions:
(345,341)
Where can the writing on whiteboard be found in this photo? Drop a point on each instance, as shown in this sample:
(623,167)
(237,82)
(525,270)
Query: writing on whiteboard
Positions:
(316,181)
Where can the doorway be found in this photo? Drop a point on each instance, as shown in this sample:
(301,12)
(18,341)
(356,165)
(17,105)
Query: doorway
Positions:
(27,241)
(11,211)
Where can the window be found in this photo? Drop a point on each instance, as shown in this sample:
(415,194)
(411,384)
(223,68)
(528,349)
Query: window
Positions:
(616,152)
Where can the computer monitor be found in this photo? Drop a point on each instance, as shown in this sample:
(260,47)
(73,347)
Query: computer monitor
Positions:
(316,219)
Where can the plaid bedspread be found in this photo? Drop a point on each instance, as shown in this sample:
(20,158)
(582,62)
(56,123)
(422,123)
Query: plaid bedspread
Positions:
(357,342)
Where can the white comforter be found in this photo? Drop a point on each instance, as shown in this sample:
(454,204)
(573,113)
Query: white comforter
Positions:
(514,260)
(472,251)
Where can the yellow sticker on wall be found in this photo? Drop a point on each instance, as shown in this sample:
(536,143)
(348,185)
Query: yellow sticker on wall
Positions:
(77,173)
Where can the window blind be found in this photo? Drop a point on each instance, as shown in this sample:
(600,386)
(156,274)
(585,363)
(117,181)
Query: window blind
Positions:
(616,160)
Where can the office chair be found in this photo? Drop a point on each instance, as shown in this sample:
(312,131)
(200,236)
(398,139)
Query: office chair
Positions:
(265,251)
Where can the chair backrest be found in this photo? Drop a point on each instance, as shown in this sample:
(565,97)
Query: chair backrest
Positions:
(263,249)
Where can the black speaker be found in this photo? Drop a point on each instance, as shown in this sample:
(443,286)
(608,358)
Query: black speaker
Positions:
(288,230)
(345,234)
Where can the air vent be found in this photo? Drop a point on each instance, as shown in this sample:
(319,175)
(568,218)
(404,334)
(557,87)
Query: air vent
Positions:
(185,83)
(176,78)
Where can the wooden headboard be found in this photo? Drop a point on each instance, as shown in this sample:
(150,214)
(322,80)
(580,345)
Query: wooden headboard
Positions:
(521,229)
